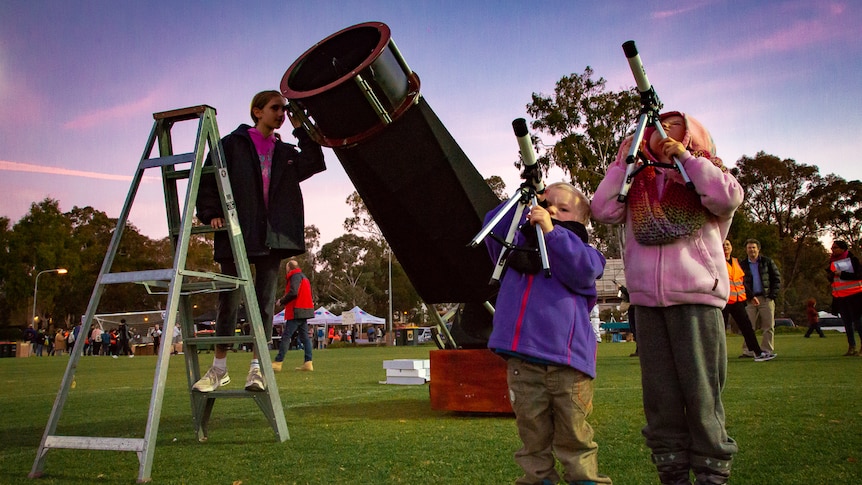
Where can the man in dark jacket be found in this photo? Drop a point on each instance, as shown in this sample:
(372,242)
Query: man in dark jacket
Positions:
(762,282)
(264,174)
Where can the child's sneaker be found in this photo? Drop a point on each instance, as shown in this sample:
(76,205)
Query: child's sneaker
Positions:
(212,380)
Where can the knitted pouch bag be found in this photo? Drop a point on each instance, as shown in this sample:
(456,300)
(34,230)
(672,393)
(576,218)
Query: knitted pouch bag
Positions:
(656,220)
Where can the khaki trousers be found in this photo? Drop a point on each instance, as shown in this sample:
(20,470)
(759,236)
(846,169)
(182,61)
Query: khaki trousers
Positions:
(762,316)
(551,405)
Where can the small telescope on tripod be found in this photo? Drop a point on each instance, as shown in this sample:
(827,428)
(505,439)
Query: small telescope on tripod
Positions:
(649,115)
(521,201)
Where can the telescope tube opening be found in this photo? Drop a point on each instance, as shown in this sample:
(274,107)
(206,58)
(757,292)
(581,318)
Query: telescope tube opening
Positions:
(350,85)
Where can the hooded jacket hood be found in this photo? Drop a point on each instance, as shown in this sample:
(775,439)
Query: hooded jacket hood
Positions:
(697,139)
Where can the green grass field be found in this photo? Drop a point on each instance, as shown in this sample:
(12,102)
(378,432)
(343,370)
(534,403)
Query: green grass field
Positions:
(797,419)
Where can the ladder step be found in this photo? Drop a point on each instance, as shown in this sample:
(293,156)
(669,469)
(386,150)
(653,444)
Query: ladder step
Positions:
(230,393)
(233,339)
(168,160)
(160,280)
(184,174)
(137,276)
(95,443)
(207,229)
(183,114)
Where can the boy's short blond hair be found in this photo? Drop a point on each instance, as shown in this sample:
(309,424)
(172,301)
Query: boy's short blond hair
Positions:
(574,190)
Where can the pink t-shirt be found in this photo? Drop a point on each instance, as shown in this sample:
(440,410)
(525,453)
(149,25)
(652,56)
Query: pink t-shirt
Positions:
(265,147)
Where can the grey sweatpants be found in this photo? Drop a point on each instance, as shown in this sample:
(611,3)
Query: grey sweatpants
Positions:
(683,357)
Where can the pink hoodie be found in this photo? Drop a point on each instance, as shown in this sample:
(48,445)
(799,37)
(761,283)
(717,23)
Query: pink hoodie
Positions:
(689,268)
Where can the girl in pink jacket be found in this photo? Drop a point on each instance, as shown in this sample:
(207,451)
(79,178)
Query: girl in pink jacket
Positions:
(678,283)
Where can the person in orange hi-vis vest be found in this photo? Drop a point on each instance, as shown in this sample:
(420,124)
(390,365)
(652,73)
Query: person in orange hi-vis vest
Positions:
(845,274)
(736,306)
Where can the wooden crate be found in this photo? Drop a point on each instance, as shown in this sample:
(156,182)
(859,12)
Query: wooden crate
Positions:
(472,380)
(143,349)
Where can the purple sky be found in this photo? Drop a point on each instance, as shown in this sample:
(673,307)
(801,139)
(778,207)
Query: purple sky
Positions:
(79,81)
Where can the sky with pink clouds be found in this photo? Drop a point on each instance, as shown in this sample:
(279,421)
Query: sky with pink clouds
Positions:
(79,81)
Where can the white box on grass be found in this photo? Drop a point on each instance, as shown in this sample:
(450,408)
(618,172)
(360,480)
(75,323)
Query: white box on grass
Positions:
(407,364)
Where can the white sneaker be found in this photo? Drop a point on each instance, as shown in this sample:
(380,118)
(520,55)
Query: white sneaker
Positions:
(211,380)
(254,382)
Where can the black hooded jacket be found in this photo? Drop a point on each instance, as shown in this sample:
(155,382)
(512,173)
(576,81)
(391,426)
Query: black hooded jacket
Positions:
(280,229)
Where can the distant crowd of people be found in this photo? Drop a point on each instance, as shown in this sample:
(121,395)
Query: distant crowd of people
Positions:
(114,342)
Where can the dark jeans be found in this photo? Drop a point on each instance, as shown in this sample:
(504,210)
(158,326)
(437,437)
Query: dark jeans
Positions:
(740,316)
(850,309)
(813,328)
(291,326)
(265,276)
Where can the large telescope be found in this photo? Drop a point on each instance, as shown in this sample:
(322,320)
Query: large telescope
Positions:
(353,92)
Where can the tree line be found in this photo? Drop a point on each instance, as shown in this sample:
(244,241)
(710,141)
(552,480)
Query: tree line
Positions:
(789,207)
(348,271)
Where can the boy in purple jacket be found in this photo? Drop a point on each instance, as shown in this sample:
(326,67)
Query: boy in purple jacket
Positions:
(678,283)
(542,327)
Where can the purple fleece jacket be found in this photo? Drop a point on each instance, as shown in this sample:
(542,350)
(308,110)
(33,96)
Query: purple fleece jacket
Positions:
(549,318)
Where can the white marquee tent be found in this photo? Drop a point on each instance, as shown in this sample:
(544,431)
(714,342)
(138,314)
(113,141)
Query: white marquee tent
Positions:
(358,316)
(322,316)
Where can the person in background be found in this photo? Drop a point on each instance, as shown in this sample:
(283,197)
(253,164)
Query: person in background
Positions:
(40,341)
(96,339)
(30,338)
(623,293)
(265,174)
(596,322)
(736,306)
(845,275)
(157,338)
(123,338)
(60,342)
(298,308)
(762,281)
(177,340)
(813,318)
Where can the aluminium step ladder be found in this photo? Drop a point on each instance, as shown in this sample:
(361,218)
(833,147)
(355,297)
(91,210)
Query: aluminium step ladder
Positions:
(178,283)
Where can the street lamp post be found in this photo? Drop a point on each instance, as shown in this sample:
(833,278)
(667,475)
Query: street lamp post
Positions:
(36,286)
(389,330)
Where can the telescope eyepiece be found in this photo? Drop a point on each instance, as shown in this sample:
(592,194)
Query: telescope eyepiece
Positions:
(629,48)
(520,127)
